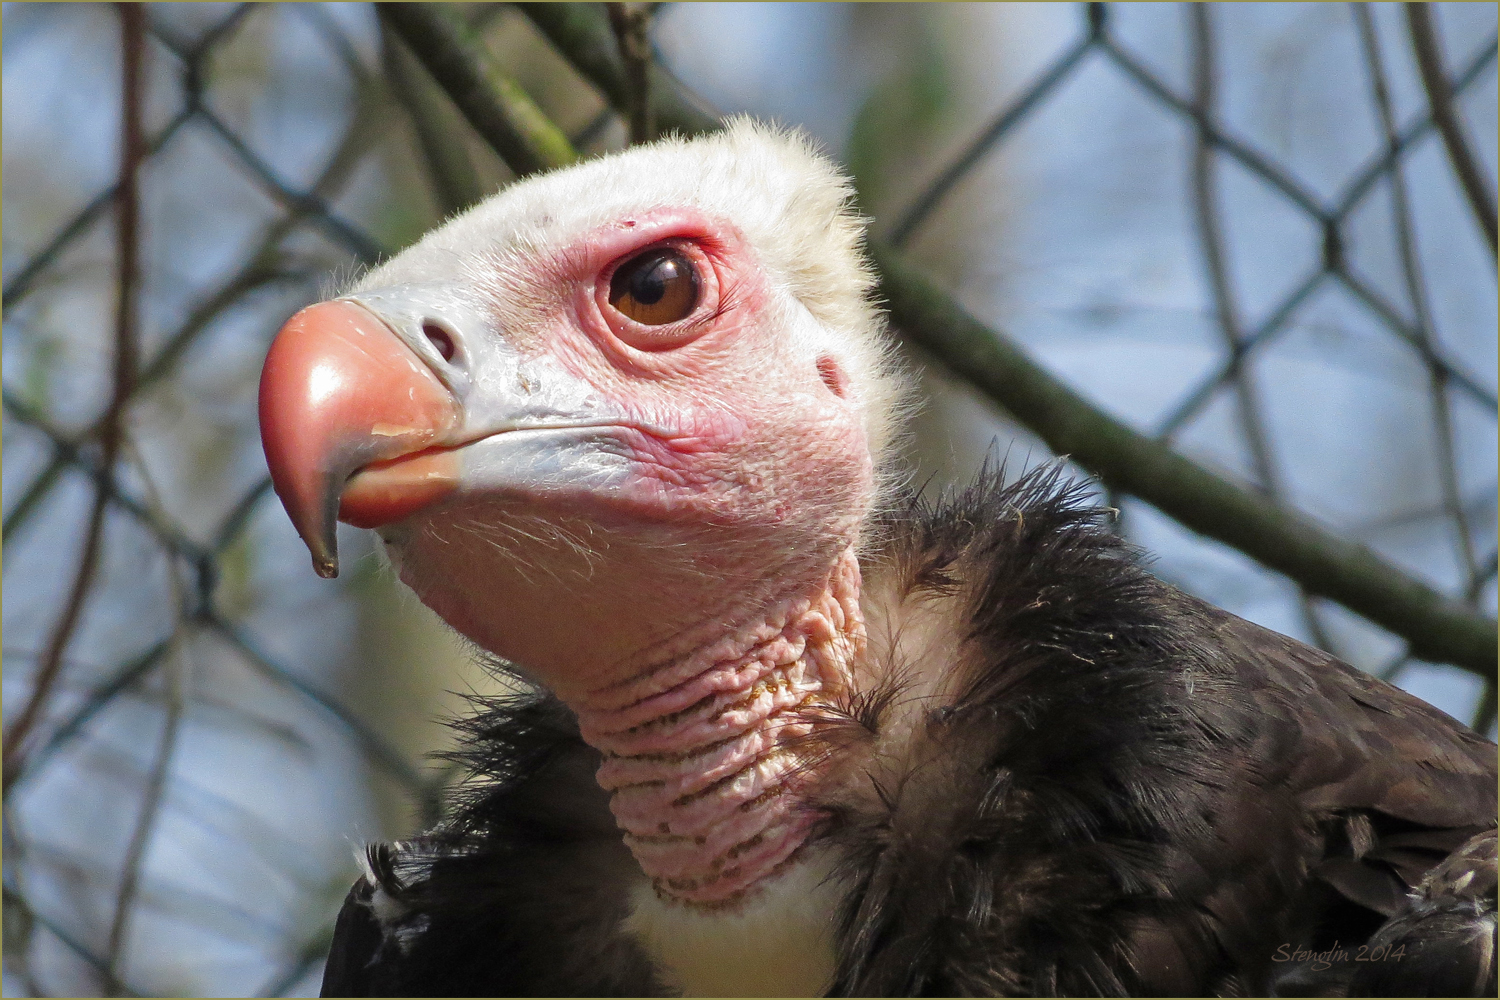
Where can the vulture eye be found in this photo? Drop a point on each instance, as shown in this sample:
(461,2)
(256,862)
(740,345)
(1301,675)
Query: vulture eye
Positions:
(658,287)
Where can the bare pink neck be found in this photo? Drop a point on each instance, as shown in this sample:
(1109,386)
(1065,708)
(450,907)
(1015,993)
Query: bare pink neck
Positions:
(703,758)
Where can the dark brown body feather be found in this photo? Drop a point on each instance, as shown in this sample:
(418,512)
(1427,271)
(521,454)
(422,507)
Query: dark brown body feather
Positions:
(1101,787)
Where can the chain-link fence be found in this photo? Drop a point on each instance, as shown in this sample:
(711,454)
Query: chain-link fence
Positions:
(1396,305)
(197,729)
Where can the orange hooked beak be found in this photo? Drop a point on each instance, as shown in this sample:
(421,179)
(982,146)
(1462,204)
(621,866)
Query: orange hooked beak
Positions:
(354,425)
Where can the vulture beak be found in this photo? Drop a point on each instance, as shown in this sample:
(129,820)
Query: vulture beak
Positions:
(354,422)
(380,403)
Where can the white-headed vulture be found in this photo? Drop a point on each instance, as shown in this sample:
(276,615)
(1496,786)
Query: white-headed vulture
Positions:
(792,731)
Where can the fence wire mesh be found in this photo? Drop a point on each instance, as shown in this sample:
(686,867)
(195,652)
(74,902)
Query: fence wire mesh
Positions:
(193,740)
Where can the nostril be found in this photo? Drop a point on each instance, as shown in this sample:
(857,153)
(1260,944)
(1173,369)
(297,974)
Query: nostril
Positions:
(440,339)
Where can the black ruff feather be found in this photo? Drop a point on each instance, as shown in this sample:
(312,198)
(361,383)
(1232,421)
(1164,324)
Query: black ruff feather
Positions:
(1120,791)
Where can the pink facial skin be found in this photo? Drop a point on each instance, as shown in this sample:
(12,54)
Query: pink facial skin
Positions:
(746,473)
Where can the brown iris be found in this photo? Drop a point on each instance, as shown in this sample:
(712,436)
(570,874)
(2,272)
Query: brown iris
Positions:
(659,286)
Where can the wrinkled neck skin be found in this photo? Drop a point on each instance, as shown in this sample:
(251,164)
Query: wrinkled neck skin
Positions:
(705,754)
(695,666)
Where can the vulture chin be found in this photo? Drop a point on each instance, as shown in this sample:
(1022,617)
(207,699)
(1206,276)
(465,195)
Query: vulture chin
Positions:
(790,730)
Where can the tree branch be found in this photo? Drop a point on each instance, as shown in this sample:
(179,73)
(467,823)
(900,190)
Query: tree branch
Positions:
(127,212)
(1424,43)
(631,23)
(454,179)
(1416,292)
(581,32)
(1226,305)
(175,682)
(1436,627)
(493,102)
(925,203)
(264,267)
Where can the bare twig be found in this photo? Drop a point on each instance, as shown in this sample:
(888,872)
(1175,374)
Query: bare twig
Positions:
(312,951)
(374,746)
(1061,69)
(1211,237)
(1371,299)
(1352,196)
(632,24)
(493,102)
(127,205)
(1416,290)
(1425,44)
(1484,714)
(71,450)
(21,282)
(1358,187)
(454,180)
(177,667)
(262,268)
(1203,392)
(581,32)
(96,700)
(140,837)
(1249,158)
(18,286)
(36,490)
(68,939)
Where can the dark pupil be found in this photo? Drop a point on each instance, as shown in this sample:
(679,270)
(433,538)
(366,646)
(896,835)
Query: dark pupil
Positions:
(649,282)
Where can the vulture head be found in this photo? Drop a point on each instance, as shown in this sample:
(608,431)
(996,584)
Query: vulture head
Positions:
(621,425)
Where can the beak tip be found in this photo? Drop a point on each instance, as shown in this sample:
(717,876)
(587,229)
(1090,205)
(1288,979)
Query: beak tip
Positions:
(323,546)
(335,376)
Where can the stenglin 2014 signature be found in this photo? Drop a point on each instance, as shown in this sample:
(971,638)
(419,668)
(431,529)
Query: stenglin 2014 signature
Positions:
(1324,959)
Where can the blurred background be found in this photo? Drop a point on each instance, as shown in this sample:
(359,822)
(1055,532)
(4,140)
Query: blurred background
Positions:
(1239,228)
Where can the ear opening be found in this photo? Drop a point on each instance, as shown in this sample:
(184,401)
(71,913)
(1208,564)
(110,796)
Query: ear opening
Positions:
(833,376)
